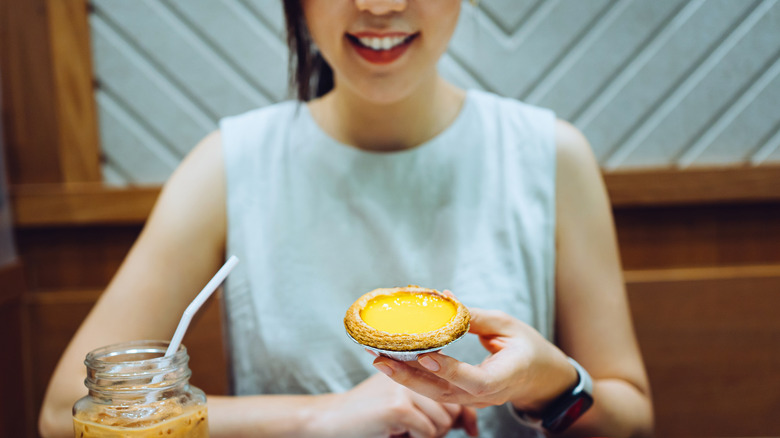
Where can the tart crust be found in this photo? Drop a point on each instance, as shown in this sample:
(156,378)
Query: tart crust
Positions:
(367,335)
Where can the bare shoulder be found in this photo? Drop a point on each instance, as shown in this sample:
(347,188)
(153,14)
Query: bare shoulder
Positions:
(202,172)
(572,148)
(205,158)
(193,198)
(578,178)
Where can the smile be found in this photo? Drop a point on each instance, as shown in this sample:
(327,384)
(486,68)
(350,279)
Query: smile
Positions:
(381,49)
(385,43)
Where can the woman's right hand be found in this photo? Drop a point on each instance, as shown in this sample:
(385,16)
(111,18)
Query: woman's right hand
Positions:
(379,407)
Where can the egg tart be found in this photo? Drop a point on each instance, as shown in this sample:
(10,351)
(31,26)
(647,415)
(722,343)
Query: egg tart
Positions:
(406,319)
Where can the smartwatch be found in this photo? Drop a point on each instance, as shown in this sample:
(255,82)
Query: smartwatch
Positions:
(564,410)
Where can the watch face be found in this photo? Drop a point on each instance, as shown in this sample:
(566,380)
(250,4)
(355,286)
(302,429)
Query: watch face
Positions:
(569,411)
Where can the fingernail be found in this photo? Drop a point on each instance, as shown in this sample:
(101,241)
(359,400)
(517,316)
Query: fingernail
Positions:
(384,369)
(429,363)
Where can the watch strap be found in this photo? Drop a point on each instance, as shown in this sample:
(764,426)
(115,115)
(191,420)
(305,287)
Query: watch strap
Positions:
(585,382)
(565,409)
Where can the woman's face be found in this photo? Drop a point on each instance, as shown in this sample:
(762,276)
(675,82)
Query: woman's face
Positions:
(383,50)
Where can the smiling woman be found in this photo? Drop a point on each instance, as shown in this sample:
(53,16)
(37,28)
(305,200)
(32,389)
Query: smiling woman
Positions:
(384,173)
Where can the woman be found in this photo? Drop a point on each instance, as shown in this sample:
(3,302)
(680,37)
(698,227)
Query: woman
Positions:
(386,175)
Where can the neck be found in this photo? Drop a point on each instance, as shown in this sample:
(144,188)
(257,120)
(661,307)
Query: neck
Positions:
(399,125)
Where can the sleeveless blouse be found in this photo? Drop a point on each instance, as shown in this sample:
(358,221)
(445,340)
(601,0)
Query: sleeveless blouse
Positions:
(317,223)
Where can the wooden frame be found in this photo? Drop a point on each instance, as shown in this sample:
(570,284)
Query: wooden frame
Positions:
(81,204)
(47,57)
(72,73)
(73,204)
(694,186)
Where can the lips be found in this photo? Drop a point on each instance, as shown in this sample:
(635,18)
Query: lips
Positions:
(381,48)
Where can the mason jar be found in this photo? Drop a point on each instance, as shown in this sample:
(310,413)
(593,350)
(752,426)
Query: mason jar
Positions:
(134,391)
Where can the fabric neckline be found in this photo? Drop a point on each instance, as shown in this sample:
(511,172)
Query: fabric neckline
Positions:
(337,146)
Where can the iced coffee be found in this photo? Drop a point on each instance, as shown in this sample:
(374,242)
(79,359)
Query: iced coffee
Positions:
(134,391)
(191,422)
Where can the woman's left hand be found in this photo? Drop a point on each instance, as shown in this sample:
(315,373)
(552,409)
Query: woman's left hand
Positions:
(524,368)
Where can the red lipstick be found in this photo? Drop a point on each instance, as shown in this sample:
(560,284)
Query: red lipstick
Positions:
(380,56)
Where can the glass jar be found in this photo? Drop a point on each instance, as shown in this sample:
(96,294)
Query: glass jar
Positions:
(134,391)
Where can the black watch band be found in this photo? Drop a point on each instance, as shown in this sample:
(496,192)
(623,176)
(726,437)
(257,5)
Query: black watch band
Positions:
(567,408)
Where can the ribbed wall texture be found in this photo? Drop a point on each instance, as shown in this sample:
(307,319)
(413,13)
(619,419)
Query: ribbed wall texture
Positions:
(652,83)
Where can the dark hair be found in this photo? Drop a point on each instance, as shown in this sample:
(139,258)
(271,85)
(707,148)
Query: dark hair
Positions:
(309,73)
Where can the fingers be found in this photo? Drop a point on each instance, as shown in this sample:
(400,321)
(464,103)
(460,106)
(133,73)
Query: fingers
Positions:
(452,409)
(411,421)
(491,322)
(432,386)
(468,421)
(471,378)
(421,381)
(440,415)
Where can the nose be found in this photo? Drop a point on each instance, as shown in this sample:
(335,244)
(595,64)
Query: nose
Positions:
(381,7)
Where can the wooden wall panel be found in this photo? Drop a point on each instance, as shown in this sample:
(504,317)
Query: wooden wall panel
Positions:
(77,131)
(654,187)
(30,130)
(711,351)
(699,236)
(73,258)
(48,105)
(14,404)
(81,204)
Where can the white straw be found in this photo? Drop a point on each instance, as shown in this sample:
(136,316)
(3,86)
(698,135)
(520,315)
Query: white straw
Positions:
(192,309)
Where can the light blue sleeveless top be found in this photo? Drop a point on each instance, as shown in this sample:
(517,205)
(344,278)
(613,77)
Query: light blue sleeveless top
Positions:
(317,223)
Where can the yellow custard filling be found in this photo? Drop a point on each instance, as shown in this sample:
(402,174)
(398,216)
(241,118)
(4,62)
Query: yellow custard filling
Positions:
(407,312)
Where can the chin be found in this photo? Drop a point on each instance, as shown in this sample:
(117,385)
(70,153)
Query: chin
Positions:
(385,92)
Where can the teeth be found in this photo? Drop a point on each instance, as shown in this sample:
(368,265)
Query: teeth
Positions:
(385,43)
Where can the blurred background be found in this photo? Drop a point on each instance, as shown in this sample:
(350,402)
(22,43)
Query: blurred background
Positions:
(680,100)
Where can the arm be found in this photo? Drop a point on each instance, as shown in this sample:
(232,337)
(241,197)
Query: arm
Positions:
(180,248)
(593,323)
(375,408)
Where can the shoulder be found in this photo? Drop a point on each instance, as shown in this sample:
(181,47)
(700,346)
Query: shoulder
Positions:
(191,205)
(571,147)
(580,189)
(200,178)
(205,159)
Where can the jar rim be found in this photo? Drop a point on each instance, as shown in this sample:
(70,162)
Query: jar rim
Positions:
(108,372)
(100,364)
(98,355)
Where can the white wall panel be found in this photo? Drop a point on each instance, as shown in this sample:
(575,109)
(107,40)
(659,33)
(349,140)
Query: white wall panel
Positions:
(715,86)
(650,82)
(770,151)
(130,150)
(601,56)
(145,92)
